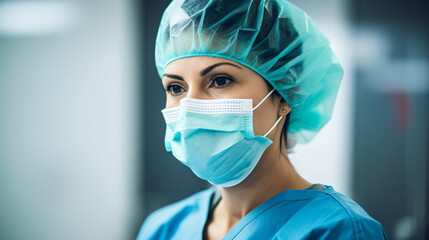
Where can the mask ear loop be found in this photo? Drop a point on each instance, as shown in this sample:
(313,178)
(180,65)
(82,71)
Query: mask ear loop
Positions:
(265,98)
(278,120)
(274,126)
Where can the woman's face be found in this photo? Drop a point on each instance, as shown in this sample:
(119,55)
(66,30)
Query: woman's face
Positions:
(216,78)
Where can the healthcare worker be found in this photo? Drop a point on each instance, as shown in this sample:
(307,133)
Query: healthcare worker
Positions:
(245,82)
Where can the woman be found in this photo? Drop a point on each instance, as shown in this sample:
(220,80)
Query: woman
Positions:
(246,81)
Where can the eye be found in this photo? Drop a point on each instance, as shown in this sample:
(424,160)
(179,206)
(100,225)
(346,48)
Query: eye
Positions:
(221,81)
(174,89)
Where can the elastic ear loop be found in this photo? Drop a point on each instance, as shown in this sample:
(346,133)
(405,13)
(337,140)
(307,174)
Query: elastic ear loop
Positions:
(275,124)
(265,98)
(278,120)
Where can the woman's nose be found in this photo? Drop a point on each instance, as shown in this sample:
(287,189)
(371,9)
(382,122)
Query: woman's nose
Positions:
(196,92)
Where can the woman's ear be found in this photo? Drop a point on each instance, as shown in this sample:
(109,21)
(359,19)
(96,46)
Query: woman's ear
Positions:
(284,108)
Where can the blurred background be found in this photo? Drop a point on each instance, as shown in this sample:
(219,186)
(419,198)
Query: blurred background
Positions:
(81,132)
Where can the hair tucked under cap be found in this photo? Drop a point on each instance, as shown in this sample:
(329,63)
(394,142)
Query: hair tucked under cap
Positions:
(274,38)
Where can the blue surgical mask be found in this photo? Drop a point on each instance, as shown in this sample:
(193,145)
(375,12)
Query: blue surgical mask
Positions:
(215,138)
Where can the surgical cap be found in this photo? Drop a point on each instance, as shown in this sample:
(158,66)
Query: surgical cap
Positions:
(274,38)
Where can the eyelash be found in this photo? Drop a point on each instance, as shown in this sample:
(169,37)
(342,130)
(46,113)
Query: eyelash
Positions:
(168,89)
(231,80)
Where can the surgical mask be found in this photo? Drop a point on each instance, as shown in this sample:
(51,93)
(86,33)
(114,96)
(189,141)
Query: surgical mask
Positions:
(215,138)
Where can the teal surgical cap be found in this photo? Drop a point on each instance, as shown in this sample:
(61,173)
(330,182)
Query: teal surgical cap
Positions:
(274,38)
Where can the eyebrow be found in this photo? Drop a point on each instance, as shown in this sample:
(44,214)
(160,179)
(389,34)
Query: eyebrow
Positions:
(173,76)
(204,72)
(207,70)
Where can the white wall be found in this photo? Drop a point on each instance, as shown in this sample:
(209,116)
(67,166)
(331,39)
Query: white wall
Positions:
(68,120)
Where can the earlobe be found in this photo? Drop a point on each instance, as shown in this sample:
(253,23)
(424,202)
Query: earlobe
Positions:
(284,108)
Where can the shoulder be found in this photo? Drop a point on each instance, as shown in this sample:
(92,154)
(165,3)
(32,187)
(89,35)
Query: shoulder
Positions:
(332,215)
(163,221)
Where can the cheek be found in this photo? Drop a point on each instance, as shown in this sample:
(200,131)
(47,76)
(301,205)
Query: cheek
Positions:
(264,118)
(171,101)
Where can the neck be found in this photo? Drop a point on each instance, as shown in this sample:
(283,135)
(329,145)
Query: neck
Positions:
(273,175)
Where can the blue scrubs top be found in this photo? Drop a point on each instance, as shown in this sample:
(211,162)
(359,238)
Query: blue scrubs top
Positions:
(292,214)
